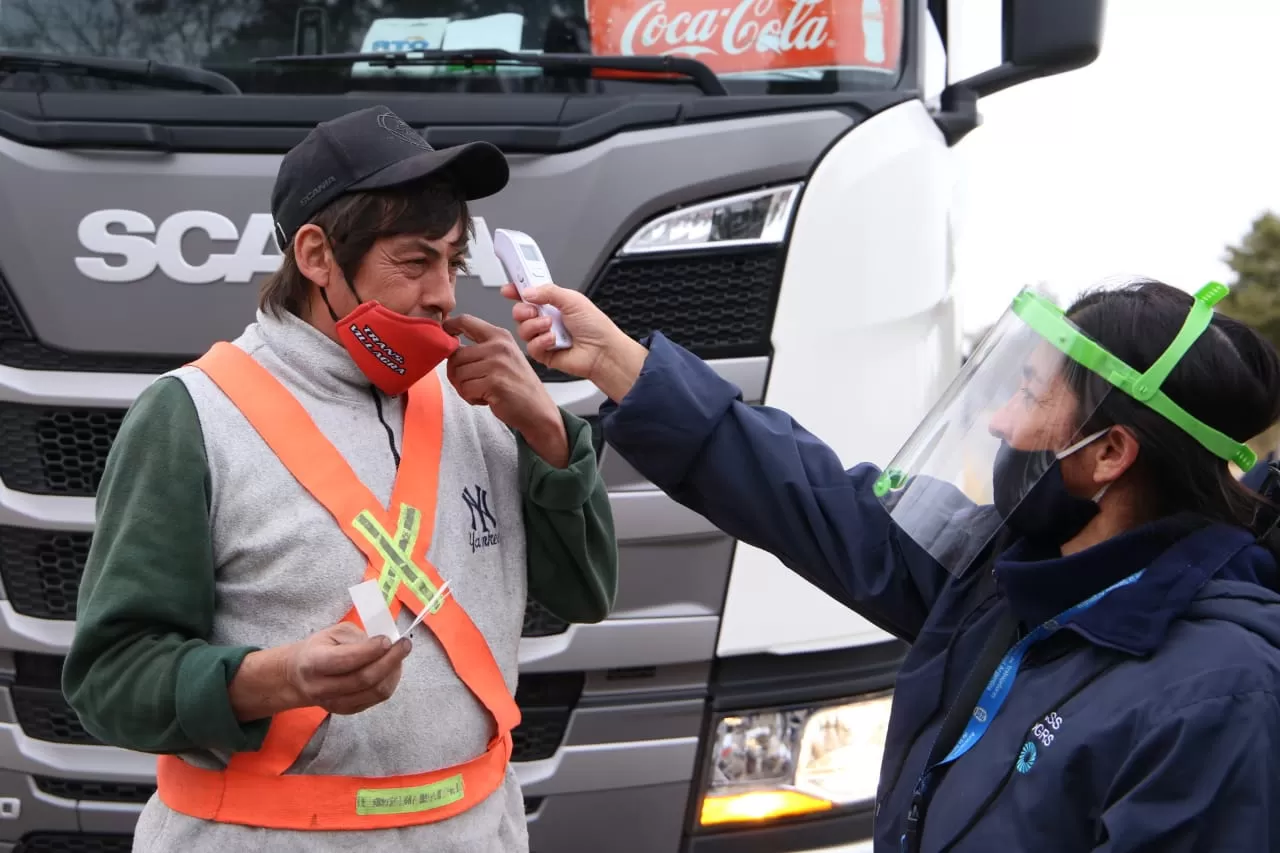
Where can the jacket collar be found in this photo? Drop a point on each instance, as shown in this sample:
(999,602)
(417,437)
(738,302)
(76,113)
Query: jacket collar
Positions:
(1179,555)
(312,359)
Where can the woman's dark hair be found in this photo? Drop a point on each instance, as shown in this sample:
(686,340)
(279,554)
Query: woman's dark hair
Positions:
(1229,380)
(355,221)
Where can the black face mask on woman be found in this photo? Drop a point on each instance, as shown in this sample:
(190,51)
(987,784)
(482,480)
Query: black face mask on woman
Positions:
(1045,511)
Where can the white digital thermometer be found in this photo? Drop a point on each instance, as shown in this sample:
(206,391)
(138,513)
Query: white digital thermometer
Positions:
(523,261)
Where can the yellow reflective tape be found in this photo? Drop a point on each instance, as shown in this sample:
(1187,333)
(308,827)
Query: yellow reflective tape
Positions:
(398,566)
(388,578)
(406,536)
(401,563)
(388,581)
(375,801)
(407,529)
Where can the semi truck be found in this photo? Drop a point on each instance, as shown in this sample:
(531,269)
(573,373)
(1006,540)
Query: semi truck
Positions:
(768,182)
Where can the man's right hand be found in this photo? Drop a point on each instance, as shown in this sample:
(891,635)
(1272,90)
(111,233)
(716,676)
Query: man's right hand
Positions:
(340,669)
(344,671)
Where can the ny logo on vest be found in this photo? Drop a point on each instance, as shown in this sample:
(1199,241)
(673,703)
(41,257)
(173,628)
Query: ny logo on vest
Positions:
(484,527)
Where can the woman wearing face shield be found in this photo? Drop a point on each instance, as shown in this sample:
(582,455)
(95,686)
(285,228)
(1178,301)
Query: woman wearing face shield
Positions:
(1088,593)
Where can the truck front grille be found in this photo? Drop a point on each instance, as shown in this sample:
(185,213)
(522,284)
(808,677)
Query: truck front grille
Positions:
(541,622)
(546,703)
(45,715)
(73,842)
(102,792)
(716,304)
(55,451)
(20,348)
(42,711)
(41,570)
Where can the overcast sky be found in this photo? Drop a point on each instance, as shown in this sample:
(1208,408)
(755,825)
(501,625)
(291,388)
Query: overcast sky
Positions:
(1149,161)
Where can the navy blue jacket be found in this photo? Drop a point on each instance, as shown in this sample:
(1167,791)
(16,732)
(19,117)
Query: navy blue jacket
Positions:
(1153,717)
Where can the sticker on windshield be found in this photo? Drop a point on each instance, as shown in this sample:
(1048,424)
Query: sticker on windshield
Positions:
(401,35)
(749,37)
(504,31)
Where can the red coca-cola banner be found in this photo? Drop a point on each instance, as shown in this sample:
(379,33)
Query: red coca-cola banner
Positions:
(735,36)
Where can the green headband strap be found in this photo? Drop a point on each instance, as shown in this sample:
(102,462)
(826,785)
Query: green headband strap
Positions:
(1051,323)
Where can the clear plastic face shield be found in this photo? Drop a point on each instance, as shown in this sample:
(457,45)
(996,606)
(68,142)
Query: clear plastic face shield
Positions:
(1018,405)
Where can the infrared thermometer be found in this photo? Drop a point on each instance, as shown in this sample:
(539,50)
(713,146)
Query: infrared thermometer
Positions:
(523,261)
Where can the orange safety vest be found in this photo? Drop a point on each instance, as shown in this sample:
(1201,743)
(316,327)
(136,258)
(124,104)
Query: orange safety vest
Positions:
(253,789)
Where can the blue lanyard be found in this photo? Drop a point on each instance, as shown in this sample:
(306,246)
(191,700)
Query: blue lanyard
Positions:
(1001,683)
(998,688)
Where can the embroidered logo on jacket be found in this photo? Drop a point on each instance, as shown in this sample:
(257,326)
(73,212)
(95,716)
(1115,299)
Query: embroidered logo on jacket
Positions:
(1042,734)
(484,527)
(1027,757)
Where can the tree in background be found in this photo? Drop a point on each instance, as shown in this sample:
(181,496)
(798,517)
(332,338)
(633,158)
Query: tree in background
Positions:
(1255,294)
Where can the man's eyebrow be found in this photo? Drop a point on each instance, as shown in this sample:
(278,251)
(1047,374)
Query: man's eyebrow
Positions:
(423,244)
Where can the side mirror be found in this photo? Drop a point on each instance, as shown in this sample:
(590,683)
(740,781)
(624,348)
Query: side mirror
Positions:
(1042,38)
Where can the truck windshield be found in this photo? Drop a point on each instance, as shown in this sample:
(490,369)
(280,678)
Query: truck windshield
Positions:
(754,46)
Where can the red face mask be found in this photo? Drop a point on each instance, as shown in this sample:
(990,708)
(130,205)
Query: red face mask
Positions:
(393,350)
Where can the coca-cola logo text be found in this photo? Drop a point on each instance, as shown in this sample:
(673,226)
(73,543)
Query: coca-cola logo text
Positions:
(751,25)
(752,36)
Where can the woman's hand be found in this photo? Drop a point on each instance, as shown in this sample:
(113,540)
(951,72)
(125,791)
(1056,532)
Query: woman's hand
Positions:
(601,352)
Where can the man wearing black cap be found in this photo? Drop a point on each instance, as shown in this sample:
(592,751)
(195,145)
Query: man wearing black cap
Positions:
(274,515)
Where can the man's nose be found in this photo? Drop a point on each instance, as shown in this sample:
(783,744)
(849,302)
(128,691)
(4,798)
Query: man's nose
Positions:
(439,293)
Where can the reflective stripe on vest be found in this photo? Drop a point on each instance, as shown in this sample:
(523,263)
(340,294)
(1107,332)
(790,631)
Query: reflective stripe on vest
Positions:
(253,790)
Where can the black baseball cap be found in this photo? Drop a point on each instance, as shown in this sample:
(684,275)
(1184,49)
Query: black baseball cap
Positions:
(372,149)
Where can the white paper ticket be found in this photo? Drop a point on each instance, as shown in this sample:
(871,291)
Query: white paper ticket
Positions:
(375,614)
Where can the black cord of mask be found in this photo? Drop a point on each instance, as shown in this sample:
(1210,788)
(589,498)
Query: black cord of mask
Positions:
(324,294)
(332,314)
(391,436)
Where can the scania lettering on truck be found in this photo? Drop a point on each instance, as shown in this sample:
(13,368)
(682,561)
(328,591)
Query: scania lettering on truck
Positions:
(768,182)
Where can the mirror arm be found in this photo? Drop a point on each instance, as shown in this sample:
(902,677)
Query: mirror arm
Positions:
(957,115)
(1000,78)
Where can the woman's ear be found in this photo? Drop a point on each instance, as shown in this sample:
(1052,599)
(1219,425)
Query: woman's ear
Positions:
(1113,454)
(313,256)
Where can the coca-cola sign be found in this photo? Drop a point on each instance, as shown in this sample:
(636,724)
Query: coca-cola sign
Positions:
(736,36)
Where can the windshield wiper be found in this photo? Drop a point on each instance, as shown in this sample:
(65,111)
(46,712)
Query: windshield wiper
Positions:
(142,71)
(703,76)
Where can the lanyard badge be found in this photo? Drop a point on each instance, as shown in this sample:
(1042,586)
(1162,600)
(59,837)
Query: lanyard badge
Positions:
(992,698)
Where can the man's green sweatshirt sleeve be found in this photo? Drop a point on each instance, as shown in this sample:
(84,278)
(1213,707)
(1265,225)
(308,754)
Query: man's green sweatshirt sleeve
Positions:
(140,673)
(572,548)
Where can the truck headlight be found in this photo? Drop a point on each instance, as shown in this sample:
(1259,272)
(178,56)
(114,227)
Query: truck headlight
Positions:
(771,764)
(757,218)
